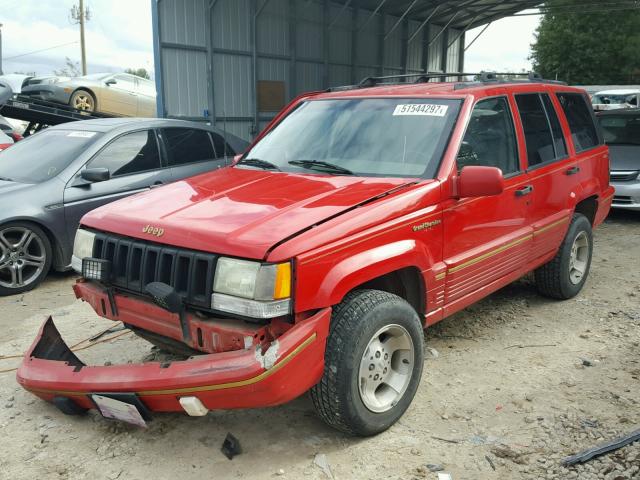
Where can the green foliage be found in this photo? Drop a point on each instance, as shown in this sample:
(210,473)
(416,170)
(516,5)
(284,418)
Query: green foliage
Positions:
(138,72)
(601,48)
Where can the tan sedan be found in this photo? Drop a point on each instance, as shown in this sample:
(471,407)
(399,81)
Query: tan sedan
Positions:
(113,93)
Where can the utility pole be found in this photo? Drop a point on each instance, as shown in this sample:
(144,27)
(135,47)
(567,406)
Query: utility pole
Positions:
(80,15)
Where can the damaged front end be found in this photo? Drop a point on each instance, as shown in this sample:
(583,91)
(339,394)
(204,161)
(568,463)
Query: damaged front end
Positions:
(248,365)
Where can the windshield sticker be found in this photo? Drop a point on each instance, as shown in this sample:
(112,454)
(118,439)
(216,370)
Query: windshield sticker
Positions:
(428,109)
(81,134)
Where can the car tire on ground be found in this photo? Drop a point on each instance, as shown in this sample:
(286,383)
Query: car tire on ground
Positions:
(83,100)
(373,363)
(564,276)
(25,257)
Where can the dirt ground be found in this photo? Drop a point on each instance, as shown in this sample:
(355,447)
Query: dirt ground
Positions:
(510,387)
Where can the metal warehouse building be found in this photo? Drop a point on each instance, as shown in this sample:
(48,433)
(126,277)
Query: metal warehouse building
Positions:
(237,62)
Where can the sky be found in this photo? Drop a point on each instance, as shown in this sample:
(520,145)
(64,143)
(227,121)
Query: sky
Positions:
(118,36)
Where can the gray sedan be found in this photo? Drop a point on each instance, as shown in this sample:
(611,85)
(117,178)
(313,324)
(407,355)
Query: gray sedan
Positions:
(51,179)
(113,93)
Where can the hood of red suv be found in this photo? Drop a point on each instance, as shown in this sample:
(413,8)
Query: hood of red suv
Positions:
(236,211)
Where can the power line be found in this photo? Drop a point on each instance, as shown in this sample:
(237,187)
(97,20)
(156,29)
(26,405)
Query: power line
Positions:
(38,51)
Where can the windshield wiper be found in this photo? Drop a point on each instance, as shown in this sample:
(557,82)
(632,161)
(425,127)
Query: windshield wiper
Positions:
(321,166)
(7,179)
(256,162)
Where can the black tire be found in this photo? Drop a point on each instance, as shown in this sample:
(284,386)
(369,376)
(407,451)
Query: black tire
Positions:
(354,323)
(40,245)
(90,101)
(553,279)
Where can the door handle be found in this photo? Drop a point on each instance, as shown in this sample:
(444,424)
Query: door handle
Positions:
(573,170)
(524,191)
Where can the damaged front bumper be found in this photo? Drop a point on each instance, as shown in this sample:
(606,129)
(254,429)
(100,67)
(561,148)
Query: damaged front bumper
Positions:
(245,378)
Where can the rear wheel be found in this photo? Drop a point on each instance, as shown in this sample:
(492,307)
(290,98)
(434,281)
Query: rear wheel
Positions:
(373,363)
(565,275)
(25,257)
(83,100)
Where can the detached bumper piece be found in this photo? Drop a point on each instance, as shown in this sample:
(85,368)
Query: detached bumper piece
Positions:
(246,378)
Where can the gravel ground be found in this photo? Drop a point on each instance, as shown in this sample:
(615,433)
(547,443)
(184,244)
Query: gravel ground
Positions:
(511,386)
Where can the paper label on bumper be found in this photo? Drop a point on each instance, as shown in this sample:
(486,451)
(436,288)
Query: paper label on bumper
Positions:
(118,410)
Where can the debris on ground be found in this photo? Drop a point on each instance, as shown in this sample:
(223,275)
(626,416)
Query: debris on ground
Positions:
(602,449)
(321,461)
(231,446)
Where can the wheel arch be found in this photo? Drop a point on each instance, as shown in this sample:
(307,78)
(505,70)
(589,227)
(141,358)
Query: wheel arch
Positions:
(57,262)
(588,207)
(91,92)
(391,268)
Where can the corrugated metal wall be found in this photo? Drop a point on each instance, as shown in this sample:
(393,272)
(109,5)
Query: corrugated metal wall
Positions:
(206,56)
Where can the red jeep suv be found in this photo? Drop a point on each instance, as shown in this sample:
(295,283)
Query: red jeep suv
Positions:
(360,216)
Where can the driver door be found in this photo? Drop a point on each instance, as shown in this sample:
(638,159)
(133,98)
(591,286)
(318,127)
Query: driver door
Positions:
(120,97)
(134,161)
(487,238)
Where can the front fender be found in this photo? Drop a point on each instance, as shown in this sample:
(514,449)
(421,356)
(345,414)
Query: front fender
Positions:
(328,284)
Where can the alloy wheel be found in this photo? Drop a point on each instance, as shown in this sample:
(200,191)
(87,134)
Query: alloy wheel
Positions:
(83,101)
(579,259)
(385,368)
(22,257)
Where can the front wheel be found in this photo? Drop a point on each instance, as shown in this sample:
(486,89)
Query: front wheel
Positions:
(25,257)
(373,363)
(83,100)
(565,275)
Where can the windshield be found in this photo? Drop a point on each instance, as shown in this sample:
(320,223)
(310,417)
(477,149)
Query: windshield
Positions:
(621,130)
(615,99)
(44,155)
(382,137)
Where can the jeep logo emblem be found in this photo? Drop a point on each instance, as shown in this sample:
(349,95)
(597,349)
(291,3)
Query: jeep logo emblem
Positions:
(151,230)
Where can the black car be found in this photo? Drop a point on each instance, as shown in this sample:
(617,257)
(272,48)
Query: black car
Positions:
(50,180)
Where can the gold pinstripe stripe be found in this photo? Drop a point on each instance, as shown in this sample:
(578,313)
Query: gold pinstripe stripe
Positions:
(551,225)
(441,276)
(490,254)
(206,388)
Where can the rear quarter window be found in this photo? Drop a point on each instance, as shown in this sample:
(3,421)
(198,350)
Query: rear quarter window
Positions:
(581,121)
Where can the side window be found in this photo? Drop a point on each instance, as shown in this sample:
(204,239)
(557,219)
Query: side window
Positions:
(558,137)
(490,139)
(537,129)
(125,82)
(219,145)
(581,120)
(131,153)
(188,145)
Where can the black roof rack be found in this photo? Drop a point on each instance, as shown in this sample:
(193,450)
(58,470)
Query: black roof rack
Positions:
(425,77)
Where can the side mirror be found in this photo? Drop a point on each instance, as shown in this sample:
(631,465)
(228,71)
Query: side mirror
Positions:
(111,81)
(476,181)
(94,175)
(237,158)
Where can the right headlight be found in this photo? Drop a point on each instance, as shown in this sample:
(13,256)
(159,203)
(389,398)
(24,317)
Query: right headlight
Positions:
(82,248)
(252,289)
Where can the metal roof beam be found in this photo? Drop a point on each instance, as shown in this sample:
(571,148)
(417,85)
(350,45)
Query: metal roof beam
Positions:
(477,36)
(337,17)
(400,19)
(373,14)
(422,25)
(444,29)
(463,31)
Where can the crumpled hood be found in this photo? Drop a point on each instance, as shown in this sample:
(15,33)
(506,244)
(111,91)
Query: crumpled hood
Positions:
(236,211)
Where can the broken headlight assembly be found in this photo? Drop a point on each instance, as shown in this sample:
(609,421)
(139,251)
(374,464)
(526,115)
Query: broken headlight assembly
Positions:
(252,289)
